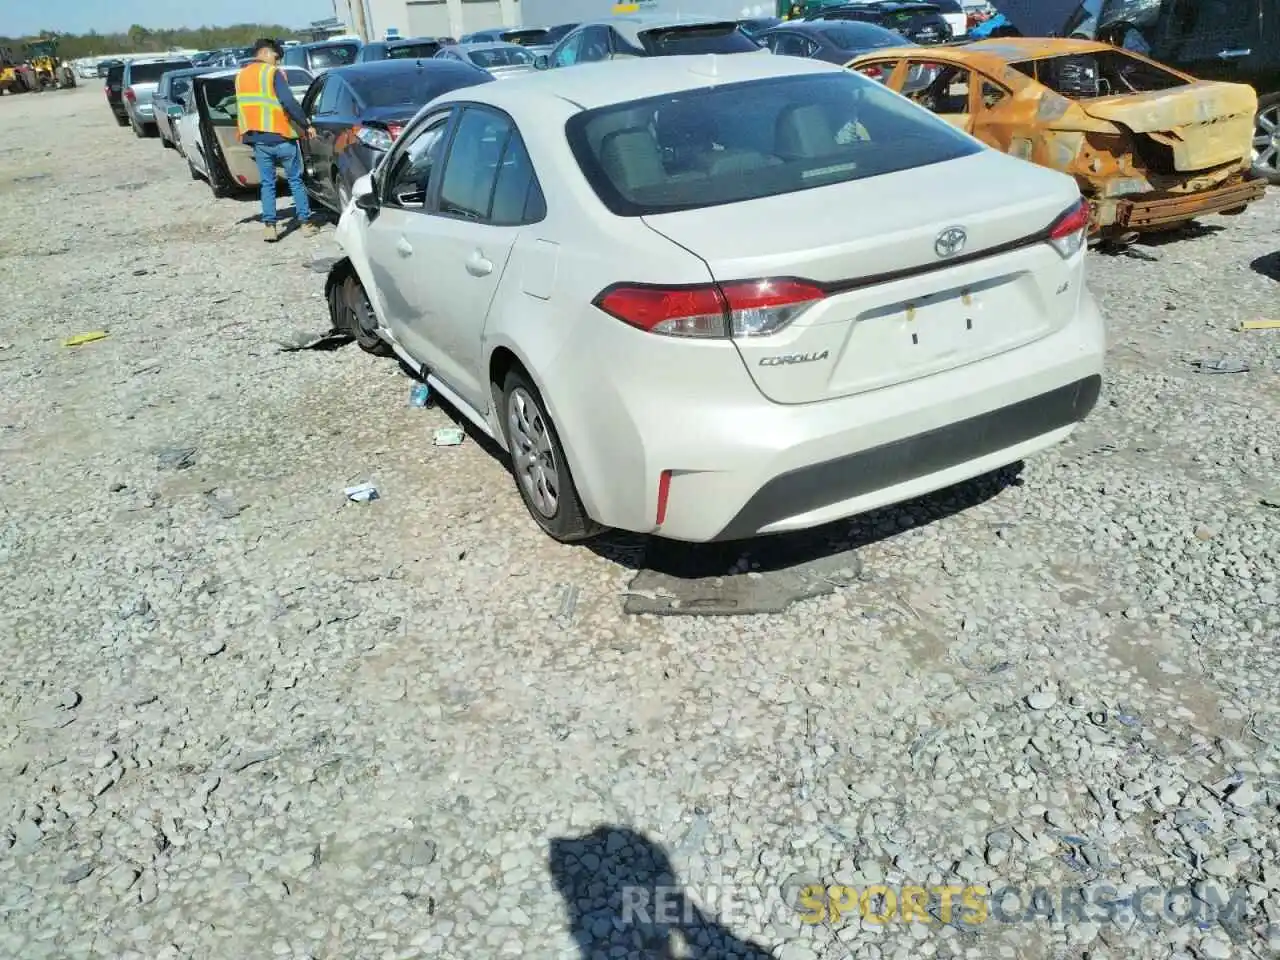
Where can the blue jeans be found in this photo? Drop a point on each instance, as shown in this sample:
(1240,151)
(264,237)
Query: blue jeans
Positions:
(289,156)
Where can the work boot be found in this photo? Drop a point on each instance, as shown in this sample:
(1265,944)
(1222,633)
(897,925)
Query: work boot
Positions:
(269,233)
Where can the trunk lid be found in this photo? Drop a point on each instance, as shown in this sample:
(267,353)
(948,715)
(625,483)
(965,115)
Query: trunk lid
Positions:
(896,310)
(1204,124)
(144,92)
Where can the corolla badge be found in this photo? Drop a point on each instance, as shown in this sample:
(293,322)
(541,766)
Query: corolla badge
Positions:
(950,242)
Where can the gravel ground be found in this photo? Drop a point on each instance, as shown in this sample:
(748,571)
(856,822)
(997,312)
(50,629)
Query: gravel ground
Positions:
(242,717)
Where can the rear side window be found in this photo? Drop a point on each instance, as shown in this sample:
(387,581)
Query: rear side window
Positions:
(152,72)
(295,57)
(1104,74)
(472,168)
(743,141)
(709,38)
(179,86)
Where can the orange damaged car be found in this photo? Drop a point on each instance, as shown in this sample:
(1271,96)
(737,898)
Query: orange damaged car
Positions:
(1149,146)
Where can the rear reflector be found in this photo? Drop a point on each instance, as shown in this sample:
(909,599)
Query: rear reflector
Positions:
(1067,233)
(664,491)
(740,308)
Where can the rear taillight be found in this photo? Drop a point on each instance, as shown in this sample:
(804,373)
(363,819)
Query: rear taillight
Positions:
(873,73)
(741,308)
(1067,233)
(394,129)
(130,95)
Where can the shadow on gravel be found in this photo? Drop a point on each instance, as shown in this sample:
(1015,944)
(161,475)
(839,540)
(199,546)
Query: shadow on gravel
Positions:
(769,573)
(620,892)
(1268,265)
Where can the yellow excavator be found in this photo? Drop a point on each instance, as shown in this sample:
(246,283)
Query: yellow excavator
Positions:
(15,75)
(50,72)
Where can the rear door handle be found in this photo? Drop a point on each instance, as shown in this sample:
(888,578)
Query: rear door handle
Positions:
(478,266)
(1233,54)
(404,247)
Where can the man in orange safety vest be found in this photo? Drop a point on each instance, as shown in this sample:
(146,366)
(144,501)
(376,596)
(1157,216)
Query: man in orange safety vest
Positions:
(269,119)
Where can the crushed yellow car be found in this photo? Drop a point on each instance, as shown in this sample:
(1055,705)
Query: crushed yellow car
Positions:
(1150,147)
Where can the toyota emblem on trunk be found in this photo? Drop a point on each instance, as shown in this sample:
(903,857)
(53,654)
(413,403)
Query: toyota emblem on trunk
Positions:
(950,242)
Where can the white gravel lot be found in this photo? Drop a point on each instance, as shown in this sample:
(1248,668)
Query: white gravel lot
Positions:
(264,721)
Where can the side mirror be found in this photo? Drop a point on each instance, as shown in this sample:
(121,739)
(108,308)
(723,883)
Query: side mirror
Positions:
(541,62)
(366,198)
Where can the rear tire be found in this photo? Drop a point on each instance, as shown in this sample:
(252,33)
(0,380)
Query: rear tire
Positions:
(191,169)
(539,466)
(137,130)
(351,312)
(122,121)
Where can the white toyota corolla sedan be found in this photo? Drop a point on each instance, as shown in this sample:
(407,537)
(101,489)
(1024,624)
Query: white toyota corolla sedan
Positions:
(712,297)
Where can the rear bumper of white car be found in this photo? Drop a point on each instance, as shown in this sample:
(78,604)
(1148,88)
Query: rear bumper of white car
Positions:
(741,469)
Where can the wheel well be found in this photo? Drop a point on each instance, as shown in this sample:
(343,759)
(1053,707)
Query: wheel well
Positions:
(501,362)
(338,274)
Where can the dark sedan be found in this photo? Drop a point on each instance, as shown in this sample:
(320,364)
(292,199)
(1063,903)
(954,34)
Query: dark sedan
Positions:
(418,48)
(918,22)
(360,110)
(834,41)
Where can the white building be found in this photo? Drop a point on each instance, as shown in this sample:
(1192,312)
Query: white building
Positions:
(438,18)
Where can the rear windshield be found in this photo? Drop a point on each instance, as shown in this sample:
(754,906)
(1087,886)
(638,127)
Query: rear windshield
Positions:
(414,51)
(709,38)
(556,34)
(1105,74)
(501,57)
(526,38)
(412,87)
(220,98)
(152,72)
(742,141)
(862,36)
(115,73)
(340,55)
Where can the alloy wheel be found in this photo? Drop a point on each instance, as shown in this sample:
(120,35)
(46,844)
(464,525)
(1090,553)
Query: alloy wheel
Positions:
(1266,140)
(531,452)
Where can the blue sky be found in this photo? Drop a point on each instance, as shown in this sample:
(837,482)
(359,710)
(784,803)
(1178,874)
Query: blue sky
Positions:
(109,16)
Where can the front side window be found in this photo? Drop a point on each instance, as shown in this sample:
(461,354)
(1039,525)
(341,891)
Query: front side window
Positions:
(566,55)
(948,91)
(409,184)
(742,141)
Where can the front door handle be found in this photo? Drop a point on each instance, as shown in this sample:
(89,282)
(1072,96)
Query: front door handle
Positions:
(1233,54)
(404,247)
(478,266)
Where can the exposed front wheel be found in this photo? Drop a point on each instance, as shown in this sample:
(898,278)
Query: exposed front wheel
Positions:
(539,466)
(351,312)
(1266,138)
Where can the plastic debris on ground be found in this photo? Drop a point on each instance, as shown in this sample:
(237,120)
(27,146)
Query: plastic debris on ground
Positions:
(1259,325)
(420,395)
(81,338)
(1221,365)
(448,436)
(304,340)
(362,493)
(175,458)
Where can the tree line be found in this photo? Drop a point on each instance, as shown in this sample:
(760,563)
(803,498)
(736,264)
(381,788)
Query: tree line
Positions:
(139,39)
